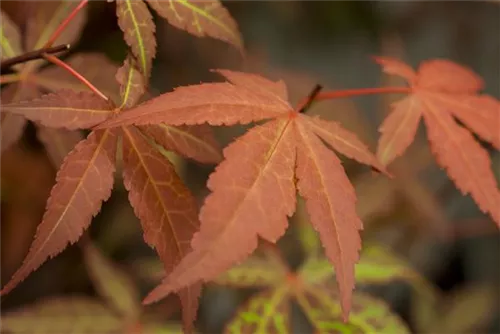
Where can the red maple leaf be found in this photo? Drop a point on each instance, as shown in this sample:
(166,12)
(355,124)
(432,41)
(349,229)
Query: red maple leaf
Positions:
(254,188)
(166,208)
(439,92)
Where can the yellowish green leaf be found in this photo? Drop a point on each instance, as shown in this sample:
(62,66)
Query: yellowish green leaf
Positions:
(265,313)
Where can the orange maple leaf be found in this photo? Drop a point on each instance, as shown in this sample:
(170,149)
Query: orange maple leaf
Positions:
(439,92)
(254,188)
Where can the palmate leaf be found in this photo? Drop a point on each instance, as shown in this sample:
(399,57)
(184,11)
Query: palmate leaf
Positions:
(83,182)
(164,205)
(253,189)
(440,91)
(63,315)
(268,311)
(265,313)
(368,315)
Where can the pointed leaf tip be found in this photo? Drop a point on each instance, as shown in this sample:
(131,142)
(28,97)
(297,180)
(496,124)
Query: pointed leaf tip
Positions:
(69,208)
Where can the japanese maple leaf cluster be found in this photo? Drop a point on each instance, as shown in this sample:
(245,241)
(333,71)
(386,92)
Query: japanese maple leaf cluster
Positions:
(164,205)
(254,188)
(440,92)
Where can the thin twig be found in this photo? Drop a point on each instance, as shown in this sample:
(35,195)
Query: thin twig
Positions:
(64,23)
(309,100)
(32,55)
(335,94)
(62,64)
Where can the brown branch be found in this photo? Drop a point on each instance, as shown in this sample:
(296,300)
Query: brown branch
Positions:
(32,55)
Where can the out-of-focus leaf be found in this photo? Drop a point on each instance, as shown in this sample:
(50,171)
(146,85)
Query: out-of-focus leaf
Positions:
(368,315)
(468,310)
(62,315)
(265,312)
(112,283)
(254,272)
(58,142)
(161,329)
(10,38)
(377,265)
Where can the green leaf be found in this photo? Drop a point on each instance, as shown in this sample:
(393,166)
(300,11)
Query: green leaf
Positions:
(62,315)
(138,27)
(265,312)
(321,304)
(254,272)
(112,283)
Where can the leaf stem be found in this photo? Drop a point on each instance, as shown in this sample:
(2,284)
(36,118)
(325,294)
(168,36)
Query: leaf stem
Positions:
(64,23)
(32,55)
(62,64)
(335,94)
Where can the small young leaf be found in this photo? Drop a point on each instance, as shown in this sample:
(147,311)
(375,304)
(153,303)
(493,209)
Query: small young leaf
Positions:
(265,312)
(63,109)
(196,141)
(132,83)
(138,27)
(88,168)
(200,18)
(112,283)
(62,315)
(10,38)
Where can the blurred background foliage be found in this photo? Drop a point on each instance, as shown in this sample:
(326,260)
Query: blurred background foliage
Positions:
(419,215)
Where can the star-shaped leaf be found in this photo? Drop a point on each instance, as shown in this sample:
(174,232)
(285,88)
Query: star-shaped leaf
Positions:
(440,92)
(268,311)
(254,188)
